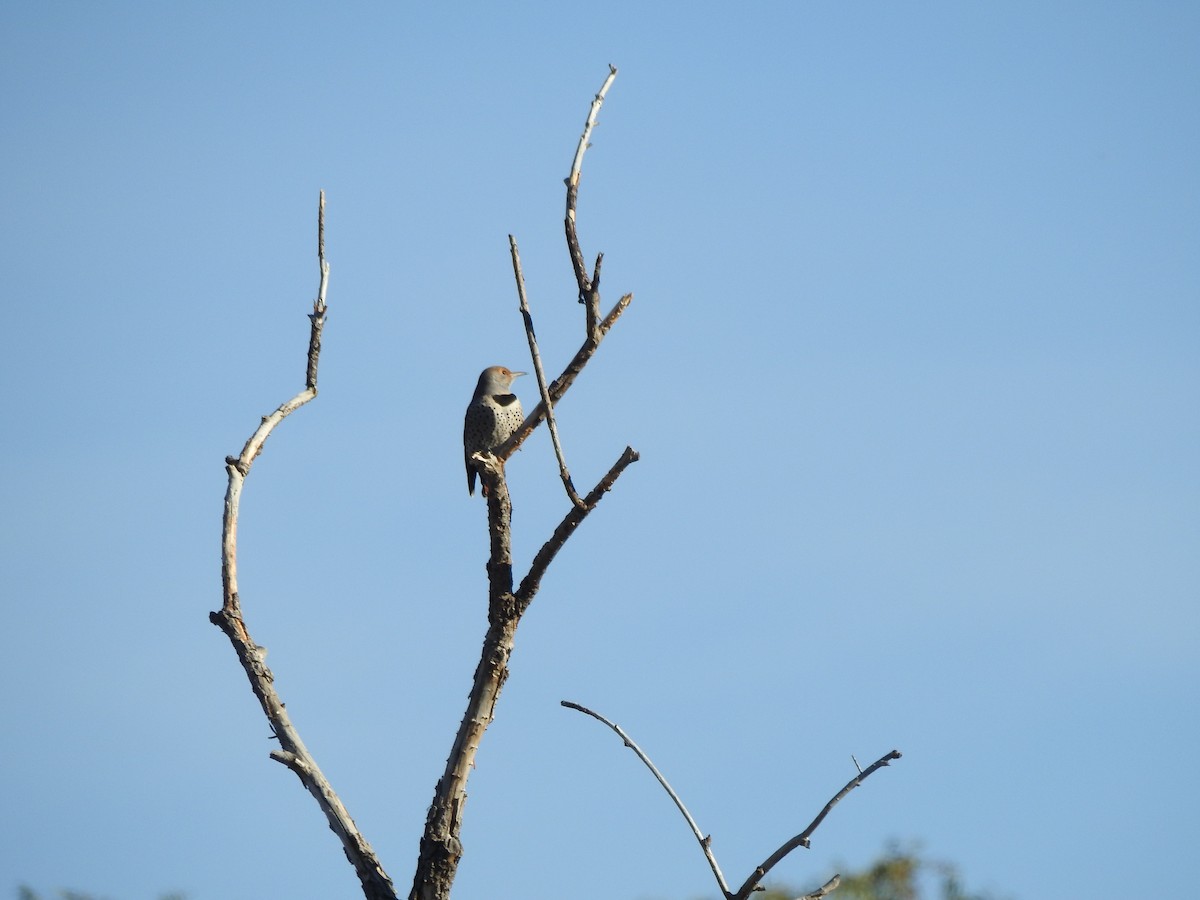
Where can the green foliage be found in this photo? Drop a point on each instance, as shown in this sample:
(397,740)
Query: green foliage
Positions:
(897,875)
(893,877)
(24,892)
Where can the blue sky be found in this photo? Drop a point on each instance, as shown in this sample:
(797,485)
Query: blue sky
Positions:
(912,366)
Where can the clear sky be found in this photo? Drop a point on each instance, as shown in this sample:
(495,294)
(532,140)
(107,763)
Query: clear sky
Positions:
(912,364)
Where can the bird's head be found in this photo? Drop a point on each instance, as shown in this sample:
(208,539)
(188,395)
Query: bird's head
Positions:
(497,380)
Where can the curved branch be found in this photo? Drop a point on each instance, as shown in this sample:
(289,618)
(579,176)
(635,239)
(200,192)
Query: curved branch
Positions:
(705,841)
(292,753)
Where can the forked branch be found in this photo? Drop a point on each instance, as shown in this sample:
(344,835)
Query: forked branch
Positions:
(563,382)
(802,839)
(292,752)
(441,845)
(595,328)
(705,841)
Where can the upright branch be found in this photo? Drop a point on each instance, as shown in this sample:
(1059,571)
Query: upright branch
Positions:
(292,752)
(801,840)
(441,844)
(540,373)
(589,288)
(317,316)
(595,328)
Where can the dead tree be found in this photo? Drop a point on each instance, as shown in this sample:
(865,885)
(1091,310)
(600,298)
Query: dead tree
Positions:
(441,846)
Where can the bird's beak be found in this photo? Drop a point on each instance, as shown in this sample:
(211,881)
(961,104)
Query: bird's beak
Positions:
(515,374)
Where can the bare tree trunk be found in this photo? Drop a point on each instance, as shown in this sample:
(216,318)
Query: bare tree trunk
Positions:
(441,844)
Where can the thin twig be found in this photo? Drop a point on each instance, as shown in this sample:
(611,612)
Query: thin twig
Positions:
(292,752)
(802,839)
(541,374)
(824,890)
(559,386)
(705,841)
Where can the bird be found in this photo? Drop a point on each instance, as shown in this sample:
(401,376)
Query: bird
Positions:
(493,414)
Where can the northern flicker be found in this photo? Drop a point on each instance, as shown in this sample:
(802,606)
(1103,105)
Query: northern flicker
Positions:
(492,416)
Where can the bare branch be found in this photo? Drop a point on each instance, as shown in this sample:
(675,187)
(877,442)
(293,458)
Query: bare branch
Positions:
(559,386)
(540,373)
(292,753)
(533,579)
(705,841)
(589,289)
(596,273)
(802,839)
(824,890)
(589,293)
(499,506)
(318,314)
(441,844)
(585,138)
(239,466)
